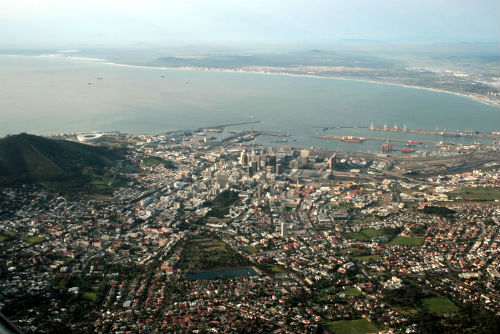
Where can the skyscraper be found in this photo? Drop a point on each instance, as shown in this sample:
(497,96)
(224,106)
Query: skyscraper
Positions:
(331,161)
(283,230)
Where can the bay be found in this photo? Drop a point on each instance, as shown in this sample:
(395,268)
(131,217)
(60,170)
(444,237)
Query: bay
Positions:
(48,95)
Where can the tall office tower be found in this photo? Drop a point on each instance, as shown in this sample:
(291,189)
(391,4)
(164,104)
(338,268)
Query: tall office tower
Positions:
(283,230)
(331,161)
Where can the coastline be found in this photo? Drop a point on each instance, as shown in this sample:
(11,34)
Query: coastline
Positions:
(242,70)
(303,140)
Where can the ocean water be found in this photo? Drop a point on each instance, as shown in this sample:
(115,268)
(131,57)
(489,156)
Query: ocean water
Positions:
(47,95)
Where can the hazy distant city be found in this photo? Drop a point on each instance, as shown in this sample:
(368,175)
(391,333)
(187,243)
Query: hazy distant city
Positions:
(264,167)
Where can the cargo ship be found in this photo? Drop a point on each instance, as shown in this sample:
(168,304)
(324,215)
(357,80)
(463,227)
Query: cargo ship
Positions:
(450,134)
(407,150)
(386,146)
(413,143)
(353,139)
(443,133)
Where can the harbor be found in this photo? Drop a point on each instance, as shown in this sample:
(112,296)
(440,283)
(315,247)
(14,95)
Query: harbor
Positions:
(437,132)
(382,139)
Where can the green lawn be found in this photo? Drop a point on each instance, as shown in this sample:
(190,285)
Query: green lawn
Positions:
(6,235)
(272,269)
(322,298)
(369,258)
(439,305)
(407,310)
(364,220)
(366,234)
(353,292)
(34,240)
(354,251)
(277,269)
(154,161)
(251,249)
(479,193)
(62,284)
(89,296)
(222,203)
(360,326)
(201,253)
(408,241)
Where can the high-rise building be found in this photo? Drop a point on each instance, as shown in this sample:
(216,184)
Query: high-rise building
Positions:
(283,230)
(254,166)
(302,162)
(271,160)
(279,169)
(243,158)
(332,161)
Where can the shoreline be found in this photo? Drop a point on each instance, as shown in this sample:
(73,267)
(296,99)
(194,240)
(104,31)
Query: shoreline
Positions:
(241,70)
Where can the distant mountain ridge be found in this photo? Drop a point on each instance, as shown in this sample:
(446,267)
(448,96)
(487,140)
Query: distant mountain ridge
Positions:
(26,158)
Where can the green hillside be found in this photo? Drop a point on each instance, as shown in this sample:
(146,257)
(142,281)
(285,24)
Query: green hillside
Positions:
(58,164)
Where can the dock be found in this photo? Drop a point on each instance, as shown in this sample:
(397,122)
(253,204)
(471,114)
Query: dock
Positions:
(325,128)
(443,133)
(271,133)
(376,139)
(227,125)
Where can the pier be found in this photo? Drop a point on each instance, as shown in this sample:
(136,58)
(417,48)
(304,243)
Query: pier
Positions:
(443,133)
(220,127)
(271,133)
(325,128)
(238,135)
(377,139)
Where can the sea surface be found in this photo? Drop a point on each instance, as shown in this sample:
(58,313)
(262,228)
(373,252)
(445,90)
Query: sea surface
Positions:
(49,95)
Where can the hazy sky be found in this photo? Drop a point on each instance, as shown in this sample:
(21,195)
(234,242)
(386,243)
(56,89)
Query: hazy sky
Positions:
(74,22)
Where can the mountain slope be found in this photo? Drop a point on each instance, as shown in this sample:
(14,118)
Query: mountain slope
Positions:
(27,158)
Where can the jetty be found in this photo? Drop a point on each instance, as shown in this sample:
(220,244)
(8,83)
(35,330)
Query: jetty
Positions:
(376,139)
